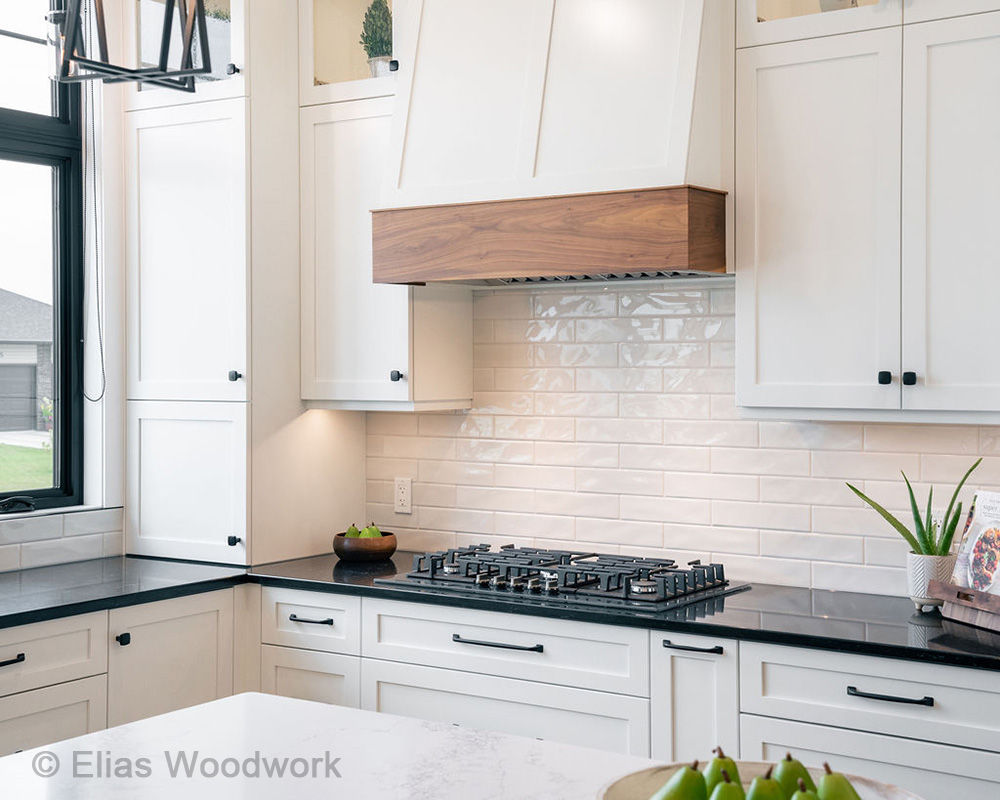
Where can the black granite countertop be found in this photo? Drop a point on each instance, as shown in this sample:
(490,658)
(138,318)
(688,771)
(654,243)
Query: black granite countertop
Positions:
(840,621)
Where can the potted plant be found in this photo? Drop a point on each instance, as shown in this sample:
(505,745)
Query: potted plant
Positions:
(376,37)
(930,557)
(45,408)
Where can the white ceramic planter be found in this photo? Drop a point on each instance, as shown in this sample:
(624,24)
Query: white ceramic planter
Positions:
(921,570)
(379,66)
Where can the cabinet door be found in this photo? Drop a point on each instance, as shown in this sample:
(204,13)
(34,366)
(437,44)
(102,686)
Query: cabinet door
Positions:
(354,332)
(923,10)
(932,771)
(770,21)
(951,190)
(187,251)
(693,696)
(48,715)
(572,716)
(817,227)
(169,655)
(228,34)
(186,490)
(307,675)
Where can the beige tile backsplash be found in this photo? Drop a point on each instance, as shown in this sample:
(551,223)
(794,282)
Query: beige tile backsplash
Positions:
(605,419)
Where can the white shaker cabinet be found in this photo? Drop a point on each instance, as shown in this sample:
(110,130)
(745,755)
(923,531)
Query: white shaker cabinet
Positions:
(694,696)
(308,675)
(169,655)
(187,480)
(951,192)
(366,345)
(62,711)
(923,10)
(188,206)
(770,21)
(817,224)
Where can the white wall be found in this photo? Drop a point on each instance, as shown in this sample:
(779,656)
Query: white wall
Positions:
(605,419)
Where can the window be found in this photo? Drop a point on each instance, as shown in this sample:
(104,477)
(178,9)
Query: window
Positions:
(41,270)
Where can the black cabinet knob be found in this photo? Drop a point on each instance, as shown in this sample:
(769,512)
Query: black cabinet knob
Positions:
(232,69)
(395,376)
(234,375)
(232,541)
(124,639)
(909,379)
(393,65)
(884,377)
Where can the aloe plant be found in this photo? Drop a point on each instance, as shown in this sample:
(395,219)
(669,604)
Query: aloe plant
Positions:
(928,538)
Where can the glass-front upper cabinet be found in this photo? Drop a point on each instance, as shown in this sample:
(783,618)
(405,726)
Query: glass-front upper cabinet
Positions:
(769,21)
(225,21)
(345,50)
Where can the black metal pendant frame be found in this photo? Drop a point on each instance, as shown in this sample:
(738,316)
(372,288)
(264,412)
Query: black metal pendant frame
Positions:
(192,23)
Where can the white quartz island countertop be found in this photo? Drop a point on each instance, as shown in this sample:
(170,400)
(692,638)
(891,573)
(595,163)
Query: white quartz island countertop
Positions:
(380,756)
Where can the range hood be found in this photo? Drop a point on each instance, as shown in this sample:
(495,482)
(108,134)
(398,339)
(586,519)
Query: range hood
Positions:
(599,167)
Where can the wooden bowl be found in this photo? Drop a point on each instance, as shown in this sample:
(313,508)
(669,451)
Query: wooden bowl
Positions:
(642,785)
(356,549)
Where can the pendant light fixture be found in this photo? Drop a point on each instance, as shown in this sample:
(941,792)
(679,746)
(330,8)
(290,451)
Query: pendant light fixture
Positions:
(68,29)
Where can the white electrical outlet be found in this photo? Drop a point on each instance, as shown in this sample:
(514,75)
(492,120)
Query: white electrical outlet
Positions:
(404,491)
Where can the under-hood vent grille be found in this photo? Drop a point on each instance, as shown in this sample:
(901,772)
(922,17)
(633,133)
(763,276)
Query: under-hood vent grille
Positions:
(602,277)
(612,236)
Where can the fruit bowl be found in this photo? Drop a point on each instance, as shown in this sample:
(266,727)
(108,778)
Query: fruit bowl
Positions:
(642,785)
(378,548)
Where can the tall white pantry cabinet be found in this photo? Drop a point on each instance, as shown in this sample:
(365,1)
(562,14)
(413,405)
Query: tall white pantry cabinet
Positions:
(224,463)
(867,172)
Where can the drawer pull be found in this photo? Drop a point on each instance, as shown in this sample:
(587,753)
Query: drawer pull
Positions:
(19,658)
(852,691)
(528,648)
(717,650)
(295,618)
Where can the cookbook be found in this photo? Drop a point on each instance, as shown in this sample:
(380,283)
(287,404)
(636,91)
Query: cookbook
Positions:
(979,552)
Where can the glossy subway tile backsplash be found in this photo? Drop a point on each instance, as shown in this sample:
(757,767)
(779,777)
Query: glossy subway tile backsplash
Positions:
(605,419)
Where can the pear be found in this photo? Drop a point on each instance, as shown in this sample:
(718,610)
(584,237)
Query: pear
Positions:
(371,532)
(685,784)
(804,793)
(713,770)
(727,789)
(766,788)
(788,772)
(352,532)
(834,786)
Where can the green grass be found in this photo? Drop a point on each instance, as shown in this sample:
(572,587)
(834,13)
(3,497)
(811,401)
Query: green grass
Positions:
(24,468)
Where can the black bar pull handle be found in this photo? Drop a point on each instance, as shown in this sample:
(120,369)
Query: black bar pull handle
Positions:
(718,650)
(297,618)
(884,378)
(18,659)
(527,648)
(852,691)
(124,639)
(909,379)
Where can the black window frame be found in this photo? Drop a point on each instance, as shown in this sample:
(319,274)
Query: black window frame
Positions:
(57,140)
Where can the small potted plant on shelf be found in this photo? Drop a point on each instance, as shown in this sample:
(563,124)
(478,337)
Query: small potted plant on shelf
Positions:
(930,557)
(376,37)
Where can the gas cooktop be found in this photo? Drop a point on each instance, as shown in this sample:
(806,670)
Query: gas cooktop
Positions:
(568,577)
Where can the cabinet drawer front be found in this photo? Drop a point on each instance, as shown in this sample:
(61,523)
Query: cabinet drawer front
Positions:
(932,771)
(53,652)
(568,653)
(553,713)
(308,675)
(944,704)
(311,620)
(52,714)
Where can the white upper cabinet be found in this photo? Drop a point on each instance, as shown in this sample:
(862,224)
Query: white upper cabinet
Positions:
(817,247)
(923,10)
(770,21)
(229,30)
(538,97)
(186,251)
(368,345)
(951,193)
